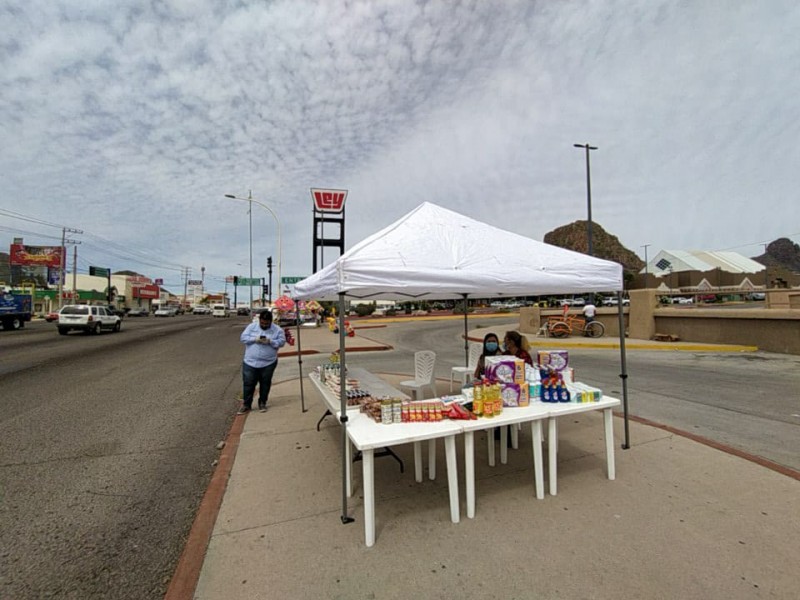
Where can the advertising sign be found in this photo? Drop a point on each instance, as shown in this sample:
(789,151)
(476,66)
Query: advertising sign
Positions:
(195,282)
(159,281)
(146,291)
(328,201)
(35,256)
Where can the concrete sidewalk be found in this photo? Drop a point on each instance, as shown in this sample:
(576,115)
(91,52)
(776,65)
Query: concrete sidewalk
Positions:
(681,520)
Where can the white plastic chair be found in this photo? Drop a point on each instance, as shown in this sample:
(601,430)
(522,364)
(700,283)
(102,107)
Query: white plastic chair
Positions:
(465,373)
(424,376)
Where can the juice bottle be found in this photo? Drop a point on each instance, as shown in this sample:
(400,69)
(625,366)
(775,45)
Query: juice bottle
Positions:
(477,398)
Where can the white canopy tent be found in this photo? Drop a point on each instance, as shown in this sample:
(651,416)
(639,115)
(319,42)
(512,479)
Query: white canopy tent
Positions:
(435,253)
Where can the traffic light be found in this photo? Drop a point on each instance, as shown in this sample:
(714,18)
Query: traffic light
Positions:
(269,262)
(235,280)
(265,289)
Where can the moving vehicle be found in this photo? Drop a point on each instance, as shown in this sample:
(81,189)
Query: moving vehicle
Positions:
(219,310)
(201,310)
(51,316)
(165,311)
(138,312)
(243,310)
(86,318)
(15,309)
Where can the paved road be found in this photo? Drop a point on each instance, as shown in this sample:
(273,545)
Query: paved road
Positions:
(106,446)
(107,443)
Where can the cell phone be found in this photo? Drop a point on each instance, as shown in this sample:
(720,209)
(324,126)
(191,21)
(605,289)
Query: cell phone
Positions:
(263,337)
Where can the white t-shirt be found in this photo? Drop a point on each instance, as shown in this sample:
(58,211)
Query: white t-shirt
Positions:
(589,311)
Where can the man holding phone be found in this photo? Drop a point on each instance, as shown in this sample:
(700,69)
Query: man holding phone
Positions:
(261,343)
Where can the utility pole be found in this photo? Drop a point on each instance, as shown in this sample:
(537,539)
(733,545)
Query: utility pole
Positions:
(587,147)
(186,273)
(63,265)
(202,282)
(74,272)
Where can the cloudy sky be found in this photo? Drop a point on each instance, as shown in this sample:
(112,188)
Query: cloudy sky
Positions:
(130,120)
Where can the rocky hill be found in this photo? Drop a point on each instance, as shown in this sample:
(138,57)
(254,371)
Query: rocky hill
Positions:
(604,245)
(783,252)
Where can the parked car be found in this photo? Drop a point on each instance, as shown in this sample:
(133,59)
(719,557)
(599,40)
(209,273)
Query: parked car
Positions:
(219,310)
(165,311)
(579,302)
(243,310)
(682,300)
(757,296)
(89,319)
(51,316)
(138,312)
(201,310)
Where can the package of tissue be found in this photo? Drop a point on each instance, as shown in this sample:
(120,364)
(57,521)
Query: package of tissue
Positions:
(514,394)
(505,369)
(556,360)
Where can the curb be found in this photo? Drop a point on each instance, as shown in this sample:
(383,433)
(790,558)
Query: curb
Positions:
(763,462)
(187,572)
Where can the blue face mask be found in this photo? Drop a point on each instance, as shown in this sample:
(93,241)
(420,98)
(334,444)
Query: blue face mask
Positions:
(491,346)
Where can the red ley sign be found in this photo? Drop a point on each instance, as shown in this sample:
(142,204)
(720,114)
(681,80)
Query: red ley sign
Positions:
(330,201)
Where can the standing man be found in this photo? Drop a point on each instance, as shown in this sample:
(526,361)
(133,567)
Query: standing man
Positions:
(261,342)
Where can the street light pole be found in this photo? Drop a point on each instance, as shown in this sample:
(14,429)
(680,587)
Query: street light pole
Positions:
(587,147)
(252,200)
(250,280)
(646,269)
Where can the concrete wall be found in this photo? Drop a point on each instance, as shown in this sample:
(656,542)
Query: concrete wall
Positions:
(773,330)
(770,329)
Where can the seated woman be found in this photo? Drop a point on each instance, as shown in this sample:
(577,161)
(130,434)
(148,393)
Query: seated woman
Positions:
(491,347)
(517,345)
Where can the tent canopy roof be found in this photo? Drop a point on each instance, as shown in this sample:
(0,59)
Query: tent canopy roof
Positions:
(435,253)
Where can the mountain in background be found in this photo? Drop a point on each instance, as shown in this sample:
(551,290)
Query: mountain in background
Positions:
(604,245)
(783,252)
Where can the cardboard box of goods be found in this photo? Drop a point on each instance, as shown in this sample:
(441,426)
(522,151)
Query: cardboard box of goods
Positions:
(558,360)
(514,394)
(505,369)
(580,392)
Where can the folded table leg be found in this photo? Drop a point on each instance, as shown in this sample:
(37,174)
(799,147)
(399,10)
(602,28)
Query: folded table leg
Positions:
(452,477)
(418,462)
(368,464)
(608,418)
(469,471)
(538,464)
(432,459)
(552,452)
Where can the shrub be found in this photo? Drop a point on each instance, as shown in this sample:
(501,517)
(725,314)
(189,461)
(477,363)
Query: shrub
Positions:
(362,310)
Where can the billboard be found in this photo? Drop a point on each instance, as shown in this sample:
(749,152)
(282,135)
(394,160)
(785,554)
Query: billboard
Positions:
(35,256)
(328,201)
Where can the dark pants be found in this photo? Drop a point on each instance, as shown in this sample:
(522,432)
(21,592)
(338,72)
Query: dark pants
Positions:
(261,376)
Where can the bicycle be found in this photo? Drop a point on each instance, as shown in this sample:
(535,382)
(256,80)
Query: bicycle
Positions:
(560,327)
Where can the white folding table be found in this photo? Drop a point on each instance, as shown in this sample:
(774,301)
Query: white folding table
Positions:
(534,413)
(557,410)
(367,435)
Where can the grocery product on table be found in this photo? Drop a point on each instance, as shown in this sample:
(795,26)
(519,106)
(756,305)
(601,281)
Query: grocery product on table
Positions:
(505,369)
(556,360)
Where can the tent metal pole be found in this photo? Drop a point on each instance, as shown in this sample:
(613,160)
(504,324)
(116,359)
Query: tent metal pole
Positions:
(466,332)
(343,407)
(624,374)
(300,357)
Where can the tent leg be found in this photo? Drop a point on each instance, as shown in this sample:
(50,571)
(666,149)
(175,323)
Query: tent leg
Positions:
(343,407)
(466,333)
(300,360)
(624,372)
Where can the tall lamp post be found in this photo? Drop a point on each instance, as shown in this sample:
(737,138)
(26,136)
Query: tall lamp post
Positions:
(587,147)
(252,201)
(646,268)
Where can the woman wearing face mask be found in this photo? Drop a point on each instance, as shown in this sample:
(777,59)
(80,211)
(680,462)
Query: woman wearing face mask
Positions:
(516,345)
(491,347)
